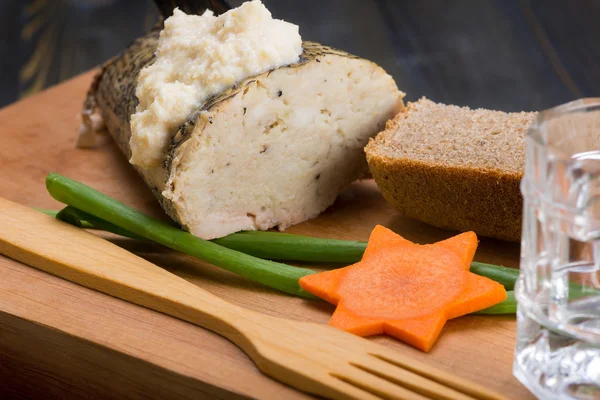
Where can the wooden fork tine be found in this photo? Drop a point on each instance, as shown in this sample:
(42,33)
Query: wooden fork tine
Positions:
(342,390)
(452,381)
(409,380)
(376,385)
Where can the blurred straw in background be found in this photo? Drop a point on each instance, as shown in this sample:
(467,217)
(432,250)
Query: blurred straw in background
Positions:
(510,55)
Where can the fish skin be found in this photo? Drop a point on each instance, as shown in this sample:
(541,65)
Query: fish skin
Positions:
(123,70)
(112,93)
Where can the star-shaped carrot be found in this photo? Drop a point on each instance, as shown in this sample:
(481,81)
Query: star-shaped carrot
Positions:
(406,290)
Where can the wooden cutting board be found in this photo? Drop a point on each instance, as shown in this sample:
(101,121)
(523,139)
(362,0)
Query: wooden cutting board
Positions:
(60,339)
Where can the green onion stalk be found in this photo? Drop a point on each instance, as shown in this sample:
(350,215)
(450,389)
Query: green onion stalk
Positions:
(282,246)
(244,253)
(266,245)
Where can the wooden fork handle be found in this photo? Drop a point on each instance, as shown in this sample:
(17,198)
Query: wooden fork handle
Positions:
(71,253)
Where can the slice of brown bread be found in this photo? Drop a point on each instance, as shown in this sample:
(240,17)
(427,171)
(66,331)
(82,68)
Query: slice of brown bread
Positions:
(454,167)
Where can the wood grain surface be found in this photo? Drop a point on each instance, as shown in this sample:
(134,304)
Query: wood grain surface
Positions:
(311,357)
(59,339)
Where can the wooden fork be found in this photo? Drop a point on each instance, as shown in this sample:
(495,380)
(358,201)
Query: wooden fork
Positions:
(315,358)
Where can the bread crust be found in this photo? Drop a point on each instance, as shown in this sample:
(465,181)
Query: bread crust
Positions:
(463,199)
(457,197)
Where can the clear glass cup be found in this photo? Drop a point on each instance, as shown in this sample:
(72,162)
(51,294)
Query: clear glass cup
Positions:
(557,354)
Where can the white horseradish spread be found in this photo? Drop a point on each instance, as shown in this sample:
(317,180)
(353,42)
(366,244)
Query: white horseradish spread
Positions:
(199,56)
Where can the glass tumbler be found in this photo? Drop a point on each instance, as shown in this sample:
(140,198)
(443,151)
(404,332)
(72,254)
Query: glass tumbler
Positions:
(557,354)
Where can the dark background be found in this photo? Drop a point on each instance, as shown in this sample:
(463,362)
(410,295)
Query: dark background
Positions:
(504,54)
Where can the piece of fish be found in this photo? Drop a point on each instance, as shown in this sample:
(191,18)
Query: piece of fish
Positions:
(273,150)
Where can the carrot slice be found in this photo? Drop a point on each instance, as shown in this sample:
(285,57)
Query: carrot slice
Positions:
(382,237)
(411,331)
(464,245)
(344,319)
(405,290)
(326,288)
(479,290)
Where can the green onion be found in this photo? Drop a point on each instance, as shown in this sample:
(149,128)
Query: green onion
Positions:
(84,220)
(276,275)
(267,245)
(284,246)
(90,209)
(51,213)
(244,241)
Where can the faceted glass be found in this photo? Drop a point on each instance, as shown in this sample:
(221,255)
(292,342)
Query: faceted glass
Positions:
(558,323)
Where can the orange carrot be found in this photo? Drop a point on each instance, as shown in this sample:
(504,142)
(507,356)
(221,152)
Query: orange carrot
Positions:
(404,289)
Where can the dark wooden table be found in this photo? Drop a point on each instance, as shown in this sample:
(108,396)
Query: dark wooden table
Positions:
(504,54)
